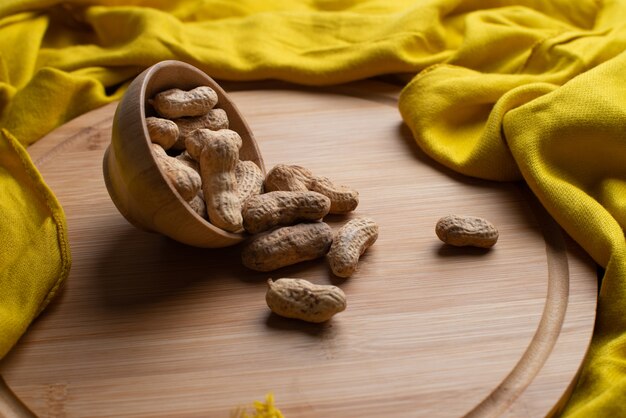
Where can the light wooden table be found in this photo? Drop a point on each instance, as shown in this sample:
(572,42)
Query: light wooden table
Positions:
(147,327)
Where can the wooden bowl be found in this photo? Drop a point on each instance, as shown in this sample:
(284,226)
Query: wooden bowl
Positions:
(133,179)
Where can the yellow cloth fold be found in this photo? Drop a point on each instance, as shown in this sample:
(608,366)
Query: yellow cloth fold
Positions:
(35,256)
(527,90)
(571,148)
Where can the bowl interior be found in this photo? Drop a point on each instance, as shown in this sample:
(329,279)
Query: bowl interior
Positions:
(134,180)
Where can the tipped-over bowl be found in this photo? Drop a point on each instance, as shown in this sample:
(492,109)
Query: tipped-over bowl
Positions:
(133,179)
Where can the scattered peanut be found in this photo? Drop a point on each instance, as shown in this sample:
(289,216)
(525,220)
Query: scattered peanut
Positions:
(342,199)
(466,231)
(300,299)
(162,131)
(286,246)
(176,103)
(185,180)
(249,180)
(297,178)
(288,178)
(268,210)
(350,241)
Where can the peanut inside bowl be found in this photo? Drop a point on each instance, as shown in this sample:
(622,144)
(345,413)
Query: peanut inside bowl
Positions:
(138,185)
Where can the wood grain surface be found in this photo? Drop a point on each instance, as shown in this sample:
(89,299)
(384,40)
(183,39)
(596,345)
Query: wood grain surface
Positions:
(147,327)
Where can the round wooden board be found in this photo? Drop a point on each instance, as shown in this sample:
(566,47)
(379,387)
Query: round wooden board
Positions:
(147,327)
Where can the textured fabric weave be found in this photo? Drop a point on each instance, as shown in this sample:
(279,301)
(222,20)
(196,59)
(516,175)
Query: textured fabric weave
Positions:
(35,255)
(530,90)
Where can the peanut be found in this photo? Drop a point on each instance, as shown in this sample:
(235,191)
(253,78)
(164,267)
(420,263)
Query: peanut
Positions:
(301,299)
(162,131)
(342,199)
(288,178)
(249,180)
(198,139)
(188,160)
(286,246)
(214,119)
(268,210)
(185,180)
(349,243)
(218,159)
(197,205)
(297,178)
(176,103)
(463,231)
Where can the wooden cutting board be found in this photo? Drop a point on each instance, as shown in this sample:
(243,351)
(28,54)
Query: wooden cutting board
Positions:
(147,327)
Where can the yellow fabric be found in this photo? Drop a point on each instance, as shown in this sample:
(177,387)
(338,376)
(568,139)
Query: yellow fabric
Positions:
(527,90)
(35,255)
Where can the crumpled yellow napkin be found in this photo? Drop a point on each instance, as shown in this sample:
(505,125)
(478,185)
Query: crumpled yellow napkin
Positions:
(503,90)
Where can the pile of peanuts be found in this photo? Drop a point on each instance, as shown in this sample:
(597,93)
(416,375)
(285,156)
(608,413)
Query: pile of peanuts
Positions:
(283,211)
(200,155)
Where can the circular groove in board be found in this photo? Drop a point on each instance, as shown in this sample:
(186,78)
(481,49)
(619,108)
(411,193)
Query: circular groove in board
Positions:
(154,328)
